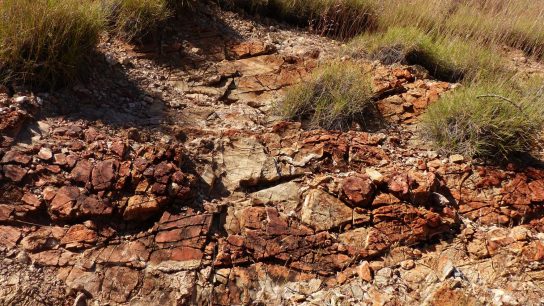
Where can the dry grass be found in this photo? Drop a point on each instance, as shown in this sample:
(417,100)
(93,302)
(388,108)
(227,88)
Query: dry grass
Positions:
(517,23)
(336,95)
(47,42)
(338,18)
(446,57)
(133,19)
(490,121)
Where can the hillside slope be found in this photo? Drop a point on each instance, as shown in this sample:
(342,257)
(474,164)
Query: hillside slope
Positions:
(172,180)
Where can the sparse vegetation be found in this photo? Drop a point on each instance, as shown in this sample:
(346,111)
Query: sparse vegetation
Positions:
(47,41)
(485,121)
(336,95)
(447,58)
(136,18)
(339,18)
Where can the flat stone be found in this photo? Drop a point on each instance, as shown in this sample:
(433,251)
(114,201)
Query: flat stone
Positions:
(457,158)
(14,173)
(82,172)
(322,211)
(140,208)
(62,205)
(359,190)
(17,157)
(103,174)
(45,154)
(9,236)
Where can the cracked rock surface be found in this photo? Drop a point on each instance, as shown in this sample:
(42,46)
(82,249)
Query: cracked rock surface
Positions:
(169,180)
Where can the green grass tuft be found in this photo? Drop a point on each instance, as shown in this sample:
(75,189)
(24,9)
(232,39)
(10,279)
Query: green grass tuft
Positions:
(47,42)
(490,121)
(334,96)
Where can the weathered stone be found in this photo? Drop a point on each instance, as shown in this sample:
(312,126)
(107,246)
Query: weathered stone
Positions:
(32,201)
(359,190)
(456,159)
(78,279)
(323,211)
(62,205)
(38,241)
(45,154)
(364,271)
(246,164)
(5,212)
(251,48)
(140,208)
(103,174)
(82,172)
(93,206)
(17,157)
(119,282)
(78,236)
(14,172)
(9,236)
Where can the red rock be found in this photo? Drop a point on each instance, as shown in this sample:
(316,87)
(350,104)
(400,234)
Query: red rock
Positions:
(364,271)
(250,49)
(62,205)
(517,192)
(140,208)
(82,172)
(53,169)
(359,190)
(9,236)
(16,157)
(383,199)
(186,253)
(399,185)
(45,154)
(119,283)
(14,173)
(92,206)
(103,174)
(537,191)
(163,169)
(60,159)
(39,240)
(32,200)
(49,193)
(77,236)
(119,148)
(421,187)
(5,212)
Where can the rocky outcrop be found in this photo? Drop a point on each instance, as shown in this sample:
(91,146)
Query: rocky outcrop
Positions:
(181,186)
(92,175)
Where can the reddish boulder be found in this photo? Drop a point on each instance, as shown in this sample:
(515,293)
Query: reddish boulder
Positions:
(9,236)
(79,236)
(140,208)
(103,174)
(359,190)
(63,204)
(82,172)
(14,173)
(16,157)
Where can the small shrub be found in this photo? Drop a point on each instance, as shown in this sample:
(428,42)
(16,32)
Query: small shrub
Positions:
(134,19)
(485,121)
(334,96)
(446,57)
(47,42)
